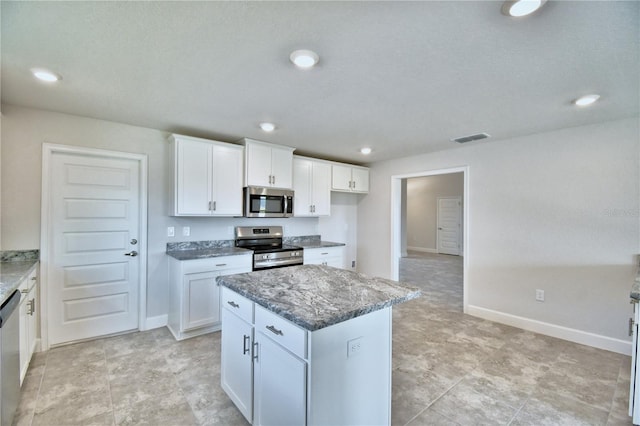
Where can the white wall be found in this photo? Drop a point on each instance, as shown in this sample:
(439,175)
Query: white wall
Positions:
(23,132)
(422,207)
(341,226)
(556,211)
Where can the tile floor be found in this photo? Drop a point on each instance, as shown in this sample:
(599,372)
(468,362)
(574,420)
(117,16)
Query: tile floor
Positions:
(448,369)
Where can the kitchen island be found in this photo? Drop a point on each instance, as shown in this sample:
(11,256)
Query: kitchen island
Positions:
(309,345)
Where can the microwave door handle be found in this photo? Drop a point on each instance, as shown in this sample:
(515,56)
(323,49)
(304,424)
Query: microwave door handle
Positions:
(285,200)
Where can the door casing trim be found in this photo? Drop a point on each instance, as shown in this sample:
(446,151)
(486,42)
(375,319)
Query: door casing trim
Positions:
(48,150)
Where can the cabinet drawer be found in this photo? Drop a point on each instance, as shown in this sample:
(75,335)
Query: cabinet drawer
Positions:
(29,282)
(282,331)
(237,304)
(217,263)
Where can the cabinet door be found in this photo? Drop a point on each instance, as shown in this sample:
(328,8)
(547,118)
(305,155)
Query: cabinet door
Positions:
(340,178)
(236,365)
(227,181)
(193,178)
(360,178)
(279,385)
(302,187)
(321,189)
(258,163)
(281,167)
(201,299)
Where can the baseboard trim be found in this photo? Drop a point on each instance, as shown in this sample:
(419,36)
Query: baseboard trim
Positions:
(571,334)
(422,249)
(156,322)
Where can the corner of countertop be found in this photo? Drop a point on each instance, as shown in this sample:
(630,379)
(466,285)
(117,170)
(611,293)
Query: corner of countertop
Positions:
(635,288)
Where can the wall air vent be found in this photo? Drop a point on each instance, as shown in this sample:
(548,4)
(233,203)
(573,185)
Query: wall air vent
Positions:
(470,138)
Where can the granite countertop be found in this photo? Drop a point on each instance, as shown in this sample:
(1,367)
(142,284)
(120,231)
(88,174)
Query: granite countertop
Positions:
(207,253)
(316,296)
(310,241)
(13,269)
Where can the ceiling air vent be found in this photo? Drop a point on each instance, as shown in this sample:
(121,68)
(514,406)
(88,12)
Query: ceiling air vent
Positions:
(470,138)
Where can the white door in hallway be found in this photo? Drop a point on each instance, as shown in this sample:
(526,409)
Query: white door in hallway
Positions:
(94,237)
(449,225)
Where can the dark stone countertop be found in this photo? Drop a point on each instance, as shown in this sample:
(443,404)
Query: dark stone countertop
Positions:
(205,253)
(316,296)
(635,288)
(11,275)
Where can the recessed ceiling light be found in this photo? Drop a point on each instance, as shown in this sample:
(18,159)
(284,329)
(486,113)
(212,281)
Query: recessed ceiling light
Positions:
(304,58)
(586,100)
(267,127)
(520,8)
(365,150)
(45,75)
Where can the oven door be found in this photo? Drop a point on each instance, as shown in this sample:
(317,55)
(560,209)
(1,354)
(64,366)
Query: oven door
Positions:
(267,202)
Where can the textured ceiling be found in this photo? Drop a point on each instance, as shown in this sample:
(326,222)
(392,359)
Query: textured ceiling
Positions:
(401,77)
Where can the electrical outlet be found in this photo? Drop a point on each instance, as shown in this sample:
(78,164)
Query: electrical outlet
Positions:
(540,295)
(354,347)
(353,263)
(171,231)
(186,231)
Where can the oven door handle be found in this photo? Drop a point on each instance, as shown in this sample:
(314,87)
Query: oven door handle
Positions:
(278,263)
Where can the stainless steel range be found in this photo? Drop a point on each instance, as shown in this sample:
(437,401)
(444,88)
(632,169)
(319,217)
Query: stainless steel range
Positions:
(268,250)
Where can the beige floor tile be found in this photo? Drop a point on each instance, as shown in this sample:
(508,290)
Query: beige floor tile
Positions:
(548,408)
(429,417)
(167,409)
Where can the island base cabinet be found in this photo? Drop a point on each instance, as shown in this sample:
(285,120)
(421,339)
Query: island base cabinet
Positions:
(350,372)
(236,362)
(279,385)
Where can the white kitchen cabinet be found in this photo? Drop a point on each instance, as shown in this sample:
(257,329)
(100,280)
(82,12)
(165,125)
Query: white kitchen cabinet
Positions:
(236,360)
(279,385)
(312,187)
(267,164)
(349,178)
(194,299)
(207,177)
(335,375)
(330,256)
(28,312)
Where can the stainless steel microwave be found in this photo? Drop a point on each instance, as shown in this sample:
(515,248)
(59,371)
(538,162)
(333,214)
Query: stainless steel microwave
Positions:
(267,202)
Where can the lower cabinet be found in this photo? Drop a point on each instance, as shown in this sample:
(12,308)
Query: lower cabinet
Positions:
(634,392)
(277,373)
(194,305)
(330,256)
(28,321)
(279,385)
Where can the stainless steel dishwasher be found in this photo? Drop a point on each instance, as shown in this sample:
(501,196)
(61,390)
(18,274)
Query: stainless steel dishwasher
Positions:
(9,358)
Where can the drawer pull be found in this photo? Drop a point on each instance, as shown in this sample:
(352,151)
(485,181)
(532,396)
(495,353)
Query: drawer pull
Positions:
(23,291)
(324,253)
(274,330)
(255,351)
(246,348)
(34,278)
(233,304)
(221,264)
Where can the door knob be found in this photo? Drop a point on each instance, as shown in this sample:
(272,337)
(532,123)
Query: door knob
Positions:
(133,242)
(132,253)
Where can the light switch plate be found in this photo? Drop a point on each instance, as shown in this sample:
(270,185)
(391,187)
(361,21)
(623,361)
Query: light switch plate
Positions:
(171,231)
(186,231)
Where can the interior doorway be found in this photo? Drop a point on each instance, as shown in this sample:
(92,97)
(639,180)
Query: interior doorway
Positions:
(415,200)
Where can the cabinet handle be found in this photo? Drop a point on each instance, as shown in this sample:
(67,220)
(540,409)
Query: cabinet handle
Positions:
(274,179)
(221,264)
(233,304)
(274,330)
(310,209)
(23,291)
(255,351)
(214,206)
(32,306)
(324,253)
(631,324)
(35,278)
(245,347)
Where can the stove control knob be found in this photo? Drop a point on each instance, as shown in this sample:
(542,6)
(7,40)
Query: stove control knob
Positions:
(265,256)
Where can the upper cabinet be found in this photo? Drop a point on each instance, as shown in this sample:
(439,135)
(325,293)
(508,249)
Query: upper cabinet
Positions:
(268,164)
(348,178)
(312,187)
(207,177)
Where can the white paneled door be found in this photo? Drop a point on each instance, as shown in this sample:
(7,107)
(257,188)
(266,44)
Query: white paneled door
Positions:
(93,268)
(449,225)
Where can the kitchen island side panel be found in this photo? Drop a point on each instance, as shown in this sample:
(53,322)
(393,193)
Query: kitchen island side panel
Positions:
(349,377)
